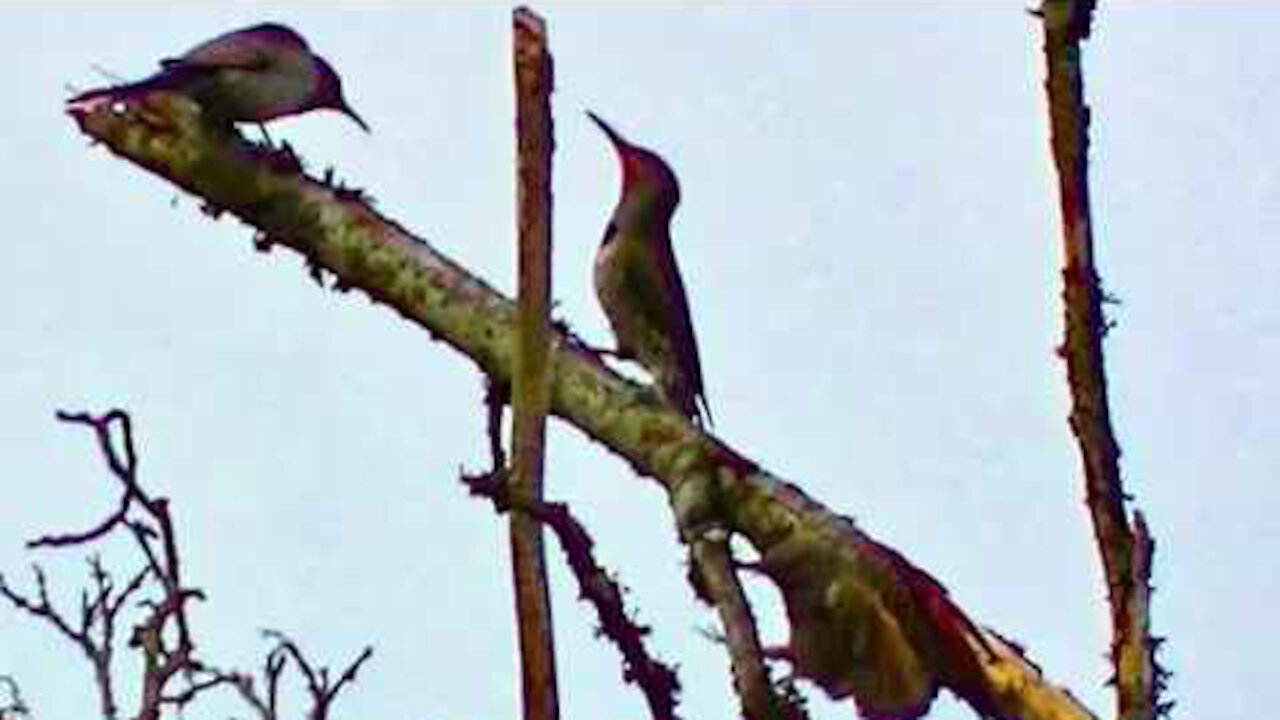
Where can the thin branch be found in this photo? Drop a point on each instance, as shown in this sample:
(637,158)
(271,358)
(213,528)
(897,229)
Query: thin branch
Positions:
(97,653)
(164,659)
(211,680)
(143,534)
(656,679)
(497,395)
(1066,24)
(531,376)
(124,469)
(322,691)
(718,579)
(274,664)
(42,608)
(161,662)
(272,669)
(14,706)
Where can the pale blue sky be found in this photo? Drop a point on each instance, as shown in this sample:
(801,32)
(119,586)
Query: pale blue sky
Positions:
(869,239)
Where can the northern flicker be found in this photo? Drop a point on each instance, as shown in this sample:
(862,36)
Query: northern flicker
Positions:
(638,282)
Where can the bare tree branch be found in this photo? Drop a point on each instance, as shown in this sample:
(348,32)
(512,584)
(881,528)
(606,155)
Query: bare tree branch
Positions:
(323,692)
(1125,556)
(100,612)
(244,684)
(596,585)
(123,469)
(166,655)
(531,381)
(14,706)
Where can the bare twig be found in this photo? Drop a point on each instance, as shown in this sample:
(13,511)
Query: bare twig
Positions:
(655,679)
(200,681)
(123,468)
(99,612)
(162,636)
(206,678)
(14,706)
(161,662)
(718,579)
(1138,677)
(322,690)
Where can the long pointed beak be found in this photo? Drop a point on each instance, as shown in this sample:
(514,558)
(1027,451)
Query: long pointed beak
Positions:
(619,142)
(345,109)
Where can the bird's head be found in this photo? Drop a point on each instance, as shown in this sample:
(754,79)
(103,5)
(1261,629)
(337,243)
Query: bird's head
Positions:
(646,178)
(329,92)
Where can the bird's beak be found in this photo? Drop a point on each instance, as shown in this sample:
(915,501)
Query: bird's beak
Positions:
(619,143)
(345,109)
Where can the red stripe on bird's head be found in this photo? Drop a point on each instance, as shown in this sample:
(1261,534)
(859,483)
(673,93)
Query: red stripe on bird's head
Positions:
(642,168)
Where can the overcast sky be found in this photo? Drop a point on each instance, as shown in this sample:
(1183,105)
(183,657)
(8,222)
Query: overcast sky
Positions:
(869,237)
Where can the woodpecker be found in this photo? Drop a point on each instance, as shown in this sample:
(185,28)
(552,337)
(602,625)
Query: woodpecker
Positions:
(638,283)
(255,74)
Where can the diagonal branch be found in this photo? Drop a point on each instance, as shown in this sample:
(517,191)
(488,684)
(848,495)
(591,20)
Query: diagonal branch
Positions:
(656,680)
(718,578)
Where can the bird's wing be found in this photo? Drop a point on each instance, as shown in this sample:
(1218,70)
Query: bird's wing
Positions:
(248,49)
(679,322)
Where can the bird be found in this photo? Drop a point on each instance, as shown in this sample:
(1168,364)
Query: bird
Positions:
(254,74)
(638,282)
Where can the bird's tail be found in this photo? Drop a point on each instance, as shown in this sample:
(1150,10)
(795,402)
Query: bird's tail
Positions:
(91,100)
(688,397)
(168,79)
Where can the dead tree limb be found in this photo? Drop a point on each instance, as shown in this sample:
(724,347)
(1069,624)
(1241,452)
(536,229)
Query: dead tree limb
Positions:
(656,680)
(162,636)
(531,372)
(1126,549)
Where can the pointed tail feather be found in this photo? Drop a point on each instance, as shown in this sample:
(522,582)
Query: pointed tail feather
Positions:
(179,78)
(90,100)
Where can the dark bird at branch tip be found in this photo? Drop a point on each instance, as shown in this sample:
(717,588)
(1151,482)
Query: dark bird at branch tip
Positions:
(255,74)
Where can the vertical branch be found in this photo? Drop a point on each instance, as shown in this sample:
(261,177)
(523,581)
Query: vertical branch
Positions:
(1126,554)
(531,378)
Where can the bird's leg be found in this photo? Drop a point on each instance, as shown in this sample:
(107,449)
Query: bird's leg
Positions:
(612,353)
(284,159)
(602,352)
(779,652)
(266,136)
